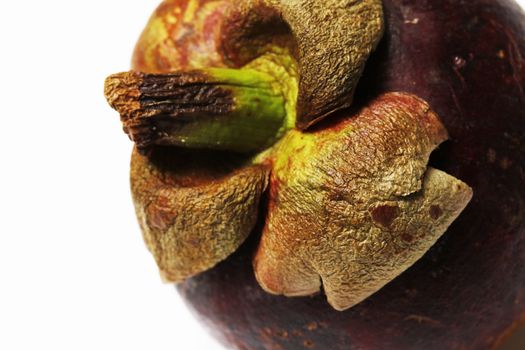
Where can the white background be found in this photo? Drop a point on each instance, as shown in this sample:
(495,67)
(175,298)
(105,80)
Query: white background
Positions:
(74,272)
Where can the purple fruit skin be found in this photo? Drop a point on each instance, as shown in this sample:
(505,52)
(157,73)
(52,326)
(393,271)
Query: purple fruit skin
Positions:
(467,59)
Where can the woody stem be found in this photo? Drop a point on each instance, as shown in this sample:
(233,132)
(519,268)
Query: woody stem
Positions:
(240,110)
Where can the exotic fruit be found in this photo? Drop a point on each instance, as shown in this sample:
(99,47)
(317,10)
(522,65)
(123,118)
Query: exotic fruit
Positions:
(334,174)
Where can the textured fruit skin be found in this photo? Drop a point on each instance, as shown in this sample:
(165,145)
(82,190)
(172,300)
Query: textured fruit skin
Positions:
(467,59)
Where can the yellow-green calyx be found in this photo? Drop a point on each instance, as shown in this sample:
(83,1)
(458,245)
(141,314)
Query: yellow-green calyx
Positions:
(350,204)
(241,110)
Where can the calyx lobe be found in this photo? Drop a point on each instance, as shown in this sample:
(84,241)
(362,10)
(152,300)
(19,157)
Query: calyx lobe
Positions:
(195,208)
(354,205)
(331,40)
(325,43)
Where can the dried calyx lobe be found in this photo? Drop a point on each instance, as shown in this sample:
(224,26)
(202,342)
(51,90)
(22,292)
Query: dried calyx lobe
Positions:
(194,207)
(330,40)
(353,207)
(356,205)
(266,44)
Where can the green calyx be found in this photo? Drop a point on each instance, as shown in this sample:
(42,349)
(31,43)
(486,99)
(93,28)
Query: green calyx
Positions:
(240,110)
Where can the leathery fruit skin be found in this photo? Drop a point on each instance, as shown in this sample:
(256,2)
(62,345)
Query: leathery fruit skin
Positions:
(467,59)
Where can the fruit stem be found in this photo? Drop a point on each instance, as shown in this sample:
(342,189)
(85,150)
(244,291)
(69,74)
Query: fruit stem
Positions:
(242,110)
